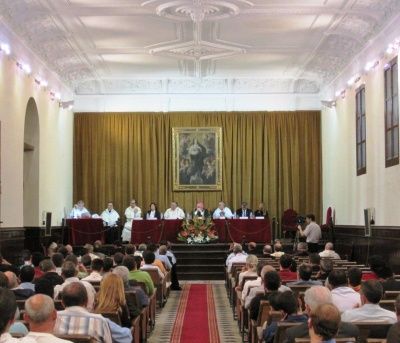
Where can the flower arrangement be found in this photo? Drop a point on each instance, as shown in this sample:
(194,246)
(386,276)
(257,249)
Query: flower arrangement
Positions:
(197,231)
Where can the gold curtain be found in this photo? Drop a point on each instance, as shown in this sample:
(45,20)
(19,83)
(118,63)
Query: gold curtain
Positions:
(273,157)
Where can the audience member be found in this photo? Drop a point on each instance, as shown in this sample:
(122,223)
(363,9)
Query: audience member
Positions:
(89,249)
(250,269)
(96,273)
(161,264)
(69,273)
(86,260)
(111,298)
(50,273)
(37,257)
(386,277)
(301,249)
(314,297)
(324,324)
(26,276)
(41,316)
(354,276)
(329,252)
(118,258)
(393,335)
(252,248)
(44,286)
(305,273)
(252,283)
(278,250)
(287,268)
(267,251)
(326,266)
(376,264)
(238,256)
(149,259)
(315,261)
(20,294)
(108,265)
(3,280)
(58,260)
(161,254)
(343,297)
(371,294)
(77,320)
(138,275)
(130,249)
(141,248)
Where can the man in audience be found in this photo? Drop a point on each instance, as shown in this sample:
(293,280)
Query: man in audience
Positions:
(26,276)
(315,261)
(252,283)
(44,286)
(20,294)
(174,275)
(302,249)
(96,273)
(326,266)
(37,257)
(118,258)
(174,212)
(50,272)
(86,260)
(238,256)
(314,297)
(250,269)
(305,272)
(312,233)
(286,264)
(77,320)
(141,248)
(149,258)
(393,335)
(267,251)
(386,277)
(138,275)
(162,261)
(272,282)
(58,260)
(371,294)
(89,249)
(41,316)
(252,248)
(343,296)
(329,252)
(278,250)
(354,276)
(3,280)
(324,324)
(8,307)
(108,265)
(69,273)
(222,212)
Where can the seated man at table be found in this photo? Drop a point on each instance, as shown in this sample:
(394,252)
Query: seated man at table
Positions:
(261,211)
(110,220)
(200,211)
(174,212)
(222,212)
(244,211)
(79,211)
(131,213)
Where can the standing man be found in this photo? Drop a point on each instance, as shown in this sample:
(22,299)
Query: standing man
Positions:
(110,218)
(131,213)
(312,233)
(244,211)
(222,212)
(174,212)
(79,211)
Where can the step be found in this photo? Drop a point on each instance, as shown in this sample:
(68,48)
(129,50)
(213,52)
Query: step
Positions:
(199,254)
(201,276)
(201,260)
(200,268)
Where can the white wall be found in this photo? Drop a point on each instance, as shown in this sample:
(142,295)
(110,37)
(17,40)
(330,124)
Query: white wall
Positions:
(379,188)
(55,173)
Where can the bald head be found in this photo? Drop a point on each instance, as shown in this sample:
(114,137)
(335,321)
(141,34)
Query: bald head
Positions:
(315,296)
(267,268)
(329,246)
(12,279)
(39,310)
(325,322)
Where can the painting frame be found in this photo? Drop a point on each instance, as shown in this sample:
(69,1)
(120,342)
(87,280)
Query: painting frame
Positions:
(195,148)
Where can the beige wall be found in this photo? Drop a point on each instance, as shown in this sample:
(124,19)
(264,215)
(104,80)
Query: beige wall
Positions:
(348,193)
(55,164)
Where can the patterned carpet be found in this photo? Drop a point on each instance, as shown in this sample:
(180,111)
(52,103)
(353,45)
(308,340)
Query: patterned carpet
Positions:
(165,318)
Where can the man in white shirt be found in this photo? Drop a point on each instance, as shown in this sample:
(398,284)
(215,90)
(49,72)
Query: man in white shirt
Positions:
(329,252)
(149,258)
(97,269)
(110,216)
(131,213)
(312,233)
(239,256)
(41,316)
(251,268)
(79,211)
(370,311)
(222,212)
(69,273)
(174,212)
(343,296)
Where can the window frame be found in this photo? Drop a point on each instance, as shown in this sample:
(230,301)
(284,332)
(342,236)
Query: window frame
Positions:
(361,131)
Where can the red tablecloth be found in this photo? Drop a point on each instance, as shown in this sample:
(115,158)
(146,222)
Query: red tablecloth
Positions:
(232,230)
(146,230)
(85,230)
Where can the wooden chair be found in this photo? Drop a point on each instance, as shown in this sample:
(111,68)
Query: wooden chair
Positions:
(141,323)
(152,303)
(299,288)
(388,305)
(376,340)
(281,329)
(113,316)
(240,310)
(391,295)
(77,338)
(160,286)
(372,330)
(262,317)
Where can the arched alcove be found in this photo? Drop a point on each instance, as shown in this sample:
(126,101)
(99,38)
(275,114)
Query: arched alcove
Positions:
(31,165)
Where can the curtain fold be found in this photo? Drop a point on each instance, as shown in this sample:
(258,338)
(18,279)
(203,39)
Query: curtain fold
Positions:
(273,157)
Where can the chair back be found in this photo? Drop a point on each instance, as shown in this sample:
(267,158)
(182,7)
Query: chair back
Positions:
(77,338)
(388,305)
(372,330)
(281,329)
(154,276)
(391,295)
(299,288)
(263,312)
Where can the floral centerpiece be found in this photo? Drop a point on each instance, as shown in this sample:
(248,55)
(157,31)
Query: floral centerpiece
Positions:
(197,231)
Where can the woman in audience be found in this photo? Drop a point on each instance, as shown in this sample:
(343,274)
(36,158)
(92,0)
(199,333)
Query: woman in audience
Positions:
(111,298)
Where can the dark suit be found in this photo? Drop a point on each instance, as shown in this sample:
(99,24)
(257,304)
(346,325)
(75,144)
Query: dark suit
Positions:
(240,212)
(259,213)
(22,294)
(391,284)
(157,214)
(301,331)
(206,214)
(393,335)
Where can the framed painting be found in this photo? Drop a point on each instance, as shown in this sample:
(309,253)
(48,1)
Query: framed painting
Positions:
(197,158)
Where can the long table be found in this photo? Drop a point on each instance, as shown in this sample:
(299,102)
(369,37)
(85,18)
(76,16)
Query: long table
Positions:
(229,230)
(85,230)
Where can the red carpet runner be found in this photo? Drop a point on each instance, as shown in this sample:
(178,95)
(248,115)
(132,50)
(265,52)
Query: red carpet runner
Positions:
(196,320)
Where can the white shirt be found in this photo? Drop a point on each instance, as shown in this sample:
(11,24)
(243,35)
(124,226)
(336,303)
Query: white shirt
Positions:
(313,233)
(369,313)
(345,298)
(329,254)
(238,258)
(151,214)
(225,213)
(7,338)
(42,337)
(89,289)
(151,267)
(130,214)
(110,218)
(246,273)
(258,289)
(250,284)
(93,276)
(174,214)
(78,212)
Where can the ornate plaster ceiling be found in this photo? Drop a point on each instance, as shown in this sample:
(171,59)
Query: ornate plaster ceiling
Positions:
(192,46)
